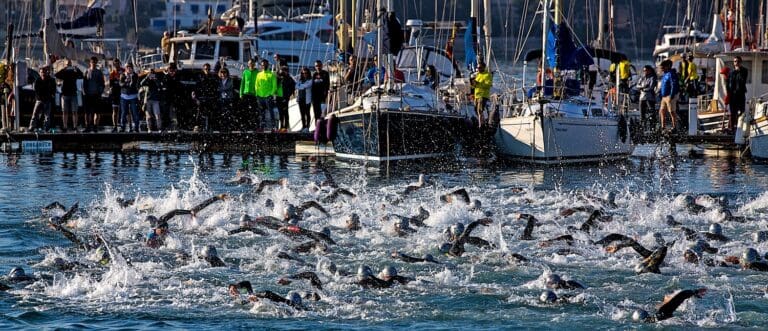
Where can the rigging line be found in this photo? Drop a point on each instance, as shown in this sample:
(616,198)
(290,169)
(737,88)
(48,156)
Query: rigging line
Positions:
(530,30)
(633,28)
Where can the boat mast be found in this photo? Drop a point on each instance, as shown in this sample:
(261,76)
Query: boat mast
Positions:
(741,25)
(544,25)
(600,43)
(474,12)
(343,33)
(354,25)
(379,31)
(487,19)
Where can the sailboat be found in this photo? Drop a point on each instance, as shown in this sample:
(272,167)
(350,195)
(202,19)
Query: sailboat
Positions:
(395,120)
(557,125)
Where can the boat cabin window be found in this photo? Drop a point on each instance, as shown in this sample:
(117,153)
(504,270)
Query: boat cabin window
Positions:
(204,50)
(285,36)
(325,36)
(764,73)
(597,112)
(750,69)
(229,50)
(183,50)
(290,58)
(267,29)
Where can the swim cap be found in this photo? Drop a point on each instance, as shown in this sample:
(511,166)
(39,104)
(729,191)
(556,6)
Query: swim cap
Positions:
(475,204)
(388,271)
(402,223)
(269,203)
(639,315)
(245,220)
(457,229)
(548,296)
(289,211)
(294,297)
(17,272)
(716,228)
(670,220)
(55,219)
(760,236)
(326,231)
(689,200)
(553,280)
(429,257)
(444,248)
(364,272)
(59,261)
(209,252)
(153,221)
(749,256)
(353,219)
(151,235)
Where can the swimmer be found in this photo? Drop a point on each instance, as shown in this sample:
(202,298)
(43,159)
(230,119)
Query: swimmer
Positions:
(652,262)
(622,242)
(69,235)
(17,275)
(670,220)
(207,202)
(531,221)
(751,260)
(310,204)
(668,306)
(410,259)
(293,298)
(555,282)
(597,215)
(269,183)
(694,253)
(352,223)
(307,275)
(68,214)
(460,195)
(729,217)
(246,224)
(413,187)
(692,206)
(295,231)
(402,227)
(389,274)
(310,246)
(336,193)
(156,237)
(457,246)
(715,233)
(125,203)
(570,211)
(549,296)
(566,238)
(366,279)
(286,256)
(210,255)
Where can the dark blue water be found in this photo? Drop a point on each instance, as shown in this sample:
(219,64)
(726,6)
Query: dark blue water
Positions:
(484,289)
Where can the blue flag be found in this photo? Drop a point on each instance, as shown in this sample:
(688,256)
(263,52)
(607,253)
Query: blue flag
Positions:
(469,46)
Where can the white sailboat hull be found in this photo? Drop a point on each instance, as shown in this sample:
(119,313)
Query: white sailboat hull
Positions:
(553,139)
(758,138)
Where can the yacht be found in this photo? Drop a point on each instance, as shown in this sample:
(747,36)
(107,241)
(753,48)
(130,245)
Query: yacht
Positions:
(193,50)
(559,126)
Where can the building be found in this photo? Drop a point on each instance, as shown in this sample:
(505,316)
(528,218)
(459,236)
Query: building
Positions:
(186,14)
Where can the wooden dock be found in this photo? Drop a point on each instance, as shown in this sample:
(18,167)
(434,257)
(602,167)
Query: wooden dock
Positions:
(252,142)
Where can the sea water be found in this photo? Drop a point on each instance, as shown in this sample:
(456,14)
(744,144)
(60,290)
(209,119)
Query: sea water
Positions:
(483,289)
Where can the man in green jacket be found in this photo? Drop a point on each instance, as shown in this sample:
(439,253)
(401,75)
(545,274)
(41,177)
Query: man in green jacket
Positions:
(248,114)
(266,90)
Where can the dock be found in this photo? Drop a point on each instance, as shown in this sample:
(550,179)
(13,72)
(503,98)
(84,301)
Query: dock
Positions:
(251,142)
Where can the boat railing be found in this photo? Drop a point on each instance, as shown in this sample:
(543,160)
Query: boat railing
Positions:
(151,62)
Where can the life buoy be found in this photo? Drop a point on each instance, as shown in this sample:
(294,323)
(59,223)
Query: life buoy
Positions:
(332,125)
(622,128)
(320,134)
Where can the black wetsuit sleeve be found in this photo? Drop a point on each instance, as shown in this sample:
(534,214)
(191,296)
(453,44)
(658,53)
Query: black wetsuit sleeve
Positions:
(216,262)
(70,212)
(305,247)
(317,236)
(311,277)
(479,242)
(528,230)
(607,240)
(173,213)
(311,204)
(264,184)
(272,296)
(204,204)
(759,266)
(407,258)
(69,235)
(668,309)
(54,205)
(401,279)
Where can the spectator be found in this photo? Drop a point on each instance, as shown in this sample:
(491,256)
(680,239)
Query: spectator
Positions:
(248,95)
(279,63)
(93,88)
(152,105)
(266,91)
(304,97)
(114,91)
(174,91)
(287,86)
(352,77)
(647,87)
(669,91)
(69,105)
(481,83)
(45,91)
(205,96)
(226,100)
(375,74)
(165,45)
(321,84)
(737,91)
(431,78)
(129,98)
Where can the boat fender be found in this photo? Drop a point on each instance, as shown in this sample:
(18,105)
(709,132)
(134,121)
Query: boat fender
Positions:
(320,137)
(332,126)
(622,128)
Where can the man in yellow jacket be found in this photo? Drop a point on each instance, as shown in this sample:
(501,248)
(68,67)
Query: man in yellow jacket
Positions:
(266,87)
(482,83)
(692,78)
